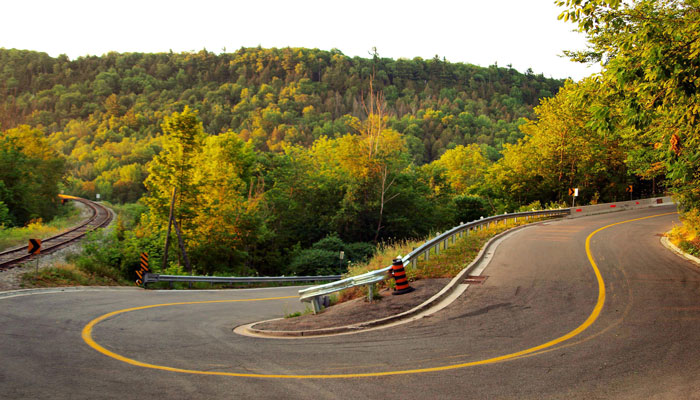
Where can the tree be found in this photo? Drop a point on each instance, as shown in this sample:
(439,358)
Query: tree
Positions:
(230,220)
(464,168)
(30,175)
(650,50)
(560,151)
(174,168)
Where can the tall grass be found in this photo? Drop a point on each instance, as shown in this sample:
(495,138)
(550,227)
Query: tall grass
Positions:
(37,229)
(67,275)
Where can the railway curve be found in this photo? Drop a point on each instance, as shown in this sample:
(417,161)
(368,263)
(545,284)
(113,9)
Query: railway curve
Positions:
(100,217)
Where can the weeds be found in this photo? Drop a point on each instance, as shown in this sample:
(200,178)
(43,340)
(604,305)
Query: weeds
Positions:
(687,235)
(306,311)
(12,237)
(66,275)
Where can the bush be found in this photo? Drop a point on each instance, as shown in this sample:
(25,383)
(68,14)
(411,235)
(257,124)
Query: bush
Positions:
(5,219)
(469,208)
(324,257)
(330,243)
(316,262)
(101,255)
(359,251)
(687,235)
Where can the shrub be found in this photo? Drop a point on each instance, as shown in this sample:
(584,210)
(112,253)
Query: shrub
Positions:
(469,208)
(324,257)
(316,262)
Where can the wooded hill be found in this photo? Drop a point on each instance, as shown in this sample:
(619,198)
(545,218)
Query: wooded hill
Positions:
(273,151)
(104,113)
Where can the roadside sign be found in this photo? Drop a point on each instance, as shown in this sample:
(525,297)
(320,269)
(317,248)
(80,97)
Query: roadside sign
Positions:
(573,192)
(141,272)
(98,196)
(629,189)
(34,246)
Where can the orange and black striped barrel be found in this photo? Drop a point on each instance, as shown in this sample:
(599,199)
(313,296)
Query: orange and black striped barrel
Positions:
(399,274)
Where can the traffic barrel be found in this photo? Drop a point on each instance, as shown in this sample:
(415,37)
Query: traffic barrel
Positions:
(399,274)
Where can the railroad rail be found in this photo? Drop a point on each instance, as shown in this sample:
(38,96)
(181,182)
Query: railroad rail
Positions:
(100,217)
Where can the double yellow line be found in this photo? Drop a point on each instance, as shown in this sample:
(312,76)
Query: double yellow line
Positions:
(87,333)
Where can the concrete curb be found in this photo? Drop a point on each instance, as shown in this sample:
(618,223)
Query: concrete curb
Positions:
(667,244)
(434,301)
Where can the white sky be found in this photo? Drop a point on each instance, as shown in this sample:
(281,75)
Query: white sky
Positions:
(524,33)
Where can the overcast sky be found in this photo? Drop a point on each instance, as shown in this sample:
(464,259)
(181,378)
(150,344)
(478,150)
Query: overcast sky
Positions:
(524,33)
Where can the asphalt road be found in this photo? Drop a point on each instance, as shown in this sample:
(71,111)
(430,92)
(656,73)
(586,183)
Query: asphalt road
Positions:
(530,331)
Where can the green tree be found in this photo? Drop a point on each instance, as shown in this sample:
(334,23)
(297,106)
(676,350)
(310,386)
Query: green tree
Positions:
(649,83)
(230,220)
(30,175)
(464,168)
(560,151)
(175,168)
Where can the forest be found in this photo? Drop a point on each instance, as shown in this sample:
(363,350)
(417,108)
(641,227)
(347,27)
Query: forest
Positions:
(281,158)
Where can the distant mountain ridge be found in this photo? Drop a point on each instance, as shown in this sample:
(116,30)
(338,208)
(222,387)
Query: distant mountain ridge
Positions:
(104,113)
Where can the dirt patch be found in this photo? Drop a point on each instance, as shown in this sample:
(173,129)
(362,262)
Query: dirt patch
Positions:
(359,310)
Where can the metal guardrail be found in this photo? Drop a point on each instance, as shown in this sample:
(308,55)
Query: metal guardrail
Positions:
(440,242)
(153,278)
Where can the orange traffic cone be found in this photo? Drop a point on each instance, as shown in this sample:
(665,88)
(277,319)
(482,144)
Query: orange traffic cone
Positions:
(399,275)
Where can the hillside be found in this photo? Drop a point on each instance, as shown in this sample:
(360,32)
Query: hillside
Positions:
(104,113)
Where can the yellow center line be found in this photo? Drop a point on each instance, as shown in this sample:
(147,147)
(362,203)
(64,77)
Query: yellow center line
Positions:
(87,333)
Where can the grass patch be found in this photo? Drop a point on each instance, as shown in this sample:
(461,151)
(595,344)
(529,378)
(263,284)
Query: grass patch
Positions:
(306,311)
(17,236)
(445,263)
(687,235)
(66,275)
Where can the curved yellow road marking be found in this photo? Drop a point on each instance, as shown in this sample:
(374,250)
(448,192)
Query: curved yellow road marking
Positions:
(87,333)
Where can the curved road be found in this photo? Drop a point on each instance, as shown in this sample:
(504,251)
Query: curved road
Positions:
(541,286)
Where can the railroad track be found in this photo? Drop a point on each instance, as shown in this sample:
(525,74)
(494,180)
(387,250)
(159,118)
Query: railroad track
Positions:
(100,217)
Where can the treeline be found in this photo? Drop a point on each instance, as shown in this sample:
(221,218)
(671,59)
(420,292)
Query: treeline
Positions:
(104,113)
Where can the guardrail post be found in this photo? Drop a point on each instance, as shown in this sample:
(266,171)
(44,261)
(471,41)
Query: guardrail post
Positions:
(315,305)
(370,292)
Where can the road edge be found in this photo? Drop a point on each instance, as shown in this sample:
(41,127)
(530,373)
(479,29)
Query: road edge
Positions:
(667,244)
(428,307)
